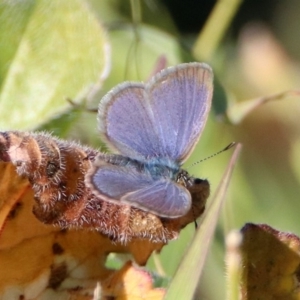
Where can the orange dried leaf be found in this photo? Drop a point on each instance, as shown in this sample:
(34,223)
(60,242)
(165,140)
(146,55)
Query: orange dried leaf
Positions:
(12,186)
(42,179)
(131,283)
(38,260)
(271,263)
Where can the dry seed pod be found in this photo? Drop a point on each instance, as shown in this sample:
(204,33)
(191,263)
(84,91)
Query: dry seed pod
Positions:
(56,170)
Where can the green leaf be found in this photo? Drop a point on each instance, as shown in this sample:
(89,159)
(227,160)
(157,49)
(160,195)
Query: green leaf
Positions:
(53,50)
(141,47)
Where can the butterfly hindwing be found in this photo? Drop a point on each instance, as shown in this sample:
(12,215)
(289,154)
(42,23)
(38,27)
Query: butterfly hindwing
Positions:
(124,184)
(165,198)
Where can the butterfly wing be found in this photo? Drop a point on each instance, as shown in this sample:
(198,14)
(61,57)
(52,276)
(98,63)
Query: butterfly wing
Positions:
(164,198)
(124,184)
(163,118)
(181,100)
(126,122)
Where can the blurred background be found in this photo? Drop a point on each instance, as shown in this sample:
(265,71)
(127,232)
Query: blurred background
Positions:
(78,51)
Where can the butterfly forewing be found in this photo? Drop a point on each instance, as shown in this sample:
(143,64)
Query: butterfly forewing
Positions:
(126,122)
(163,118)
(180,99)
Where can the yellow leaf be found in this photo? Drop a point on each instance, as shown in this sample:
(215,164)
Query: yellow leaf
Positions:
(271,262)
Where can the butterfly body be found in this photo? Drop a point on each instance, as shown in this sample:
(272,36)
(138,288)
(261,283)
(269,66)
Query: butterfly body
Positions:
(156,167)
(153,127)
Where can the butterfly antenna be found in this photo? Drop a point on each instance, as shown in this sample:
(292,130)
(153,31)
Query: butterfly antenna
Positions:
(223,150)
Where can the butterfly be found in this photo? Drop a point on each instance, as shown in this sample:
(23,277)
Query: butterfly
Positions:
(152,127)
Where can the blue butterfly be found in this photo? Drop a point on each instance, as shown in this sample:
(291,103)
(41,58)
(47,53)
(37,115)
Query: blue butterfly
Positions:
(153,128)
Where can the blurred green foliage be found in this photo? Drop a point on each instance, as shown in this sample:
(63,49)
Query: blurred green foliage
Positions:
(80,49)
